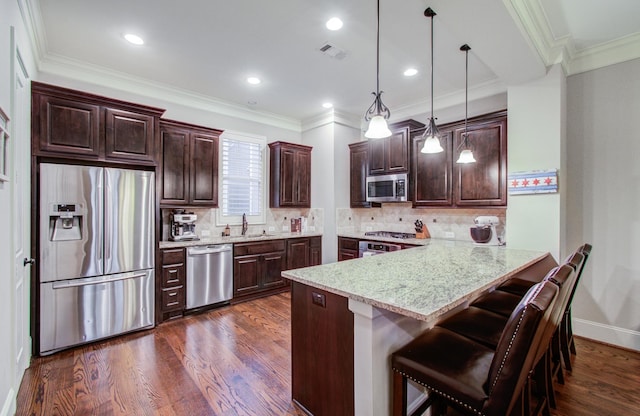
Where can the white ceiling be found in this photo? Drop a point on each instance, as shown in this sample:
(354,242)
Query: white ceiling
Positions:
(207,48)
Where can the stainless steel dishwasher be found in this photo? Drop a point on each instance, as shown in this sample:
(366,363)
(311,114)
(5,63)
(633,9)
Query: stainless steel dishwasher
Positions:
(209,275)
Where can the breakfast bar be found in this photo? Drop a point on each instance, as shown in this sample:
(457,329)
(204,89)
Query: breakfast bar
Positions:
(348,317)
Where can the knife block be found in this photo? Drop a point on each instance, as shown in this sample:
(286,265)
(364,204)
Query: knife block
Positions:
(424,233)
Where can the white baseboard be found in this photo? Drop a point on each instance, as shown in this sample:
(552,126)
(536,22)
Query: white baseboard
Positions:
(9,406)
(609,334)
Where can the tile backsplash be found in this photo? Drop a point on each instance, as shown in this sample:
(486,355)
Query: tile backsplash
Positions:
(278,221)
(400,217)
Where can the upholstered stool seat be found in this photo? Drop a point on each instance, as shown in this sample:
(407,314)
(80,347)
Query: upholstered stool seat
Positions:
(498,301)
(522,281)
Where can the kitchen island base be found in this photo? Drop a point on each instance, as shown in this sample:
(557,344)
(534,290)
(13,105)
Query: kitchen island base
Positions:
(340,353)
(321,351)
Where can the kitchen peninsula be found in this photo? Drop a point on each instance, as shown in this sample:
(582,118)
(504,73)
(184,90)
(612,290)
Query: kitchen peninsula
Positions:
(347,317)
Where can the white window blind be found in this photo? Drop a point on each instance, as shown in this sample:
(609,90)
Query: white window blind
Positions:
(242,178)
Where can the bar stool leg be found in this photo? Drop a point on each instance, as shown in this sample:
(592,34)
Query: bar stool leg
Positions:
(399,394)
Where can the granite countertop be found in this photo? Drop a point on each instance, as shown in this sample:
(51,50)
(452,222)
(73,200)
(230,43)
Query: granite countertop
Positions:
(412,241)
(423,282)
(235,239)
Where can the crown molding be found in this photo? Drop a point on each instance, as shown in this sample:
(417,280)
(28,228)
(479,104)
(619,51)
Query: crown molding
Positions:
(68,68)
(484,90)
(32,19)
(533,21)
(605,54)
(333,116)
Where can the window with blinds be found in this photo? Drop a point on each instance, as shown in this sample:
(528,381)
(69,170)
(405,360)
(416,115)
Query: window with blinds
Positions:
(242,178)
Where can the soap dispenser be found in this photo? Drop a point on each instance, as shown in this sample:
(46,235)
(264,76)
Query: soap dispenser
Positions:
(227,231)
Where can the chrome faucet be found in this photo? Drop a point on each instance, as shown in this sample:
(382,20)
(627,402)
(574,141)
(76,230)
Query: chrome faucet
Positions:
(245,225)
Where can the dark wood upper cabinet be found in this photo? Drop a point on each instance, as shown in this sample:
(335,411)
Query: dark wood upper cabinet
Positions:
(483,182)
(290,175)
(432,173)
(204,168)
(76,125)
(391,155)
(437,180)
(359,167)
(67,126)
(129,135)
(189,164)
(174,142)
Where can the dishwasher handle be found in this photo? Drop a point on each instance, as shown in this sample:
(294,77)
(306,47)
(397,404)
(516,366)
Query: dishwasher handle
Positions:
(203,250)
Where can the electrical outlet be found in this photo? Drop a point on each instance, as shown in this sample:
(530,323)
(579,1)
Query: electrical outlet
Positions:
(312,228)
(205,233)
(285,228)
(272,228)
(449,234)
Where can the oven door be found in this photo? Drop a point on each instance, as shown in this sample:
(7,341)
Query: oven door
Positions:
(372,248)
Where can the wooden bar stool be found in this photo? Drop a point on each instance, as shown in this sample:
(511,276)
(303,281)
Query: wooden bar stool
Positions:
(469,376)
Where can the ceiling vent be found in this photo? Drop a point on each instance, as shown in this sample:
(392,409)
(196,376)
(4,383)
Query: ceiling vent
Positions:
(332,51)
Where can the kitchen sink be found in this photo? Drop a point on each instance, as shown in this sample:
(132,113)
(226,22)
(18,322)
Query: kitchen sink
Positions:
(261,235)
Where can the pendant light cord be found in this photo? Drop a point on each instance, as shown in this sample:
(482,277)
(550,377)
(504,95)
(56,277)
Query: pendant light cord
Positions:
(378,53)
(431,14)
(466,49)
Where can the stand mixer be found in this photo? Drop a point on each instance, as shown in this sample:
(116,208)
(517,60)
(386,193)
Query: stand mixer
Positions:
(484,232)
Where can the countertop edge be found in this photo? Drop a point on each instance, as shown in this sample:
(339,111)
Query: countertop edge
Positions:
(235,240)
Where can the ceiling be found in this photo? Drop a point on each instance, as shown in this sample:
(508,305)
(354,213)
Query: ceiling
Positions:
(205,49)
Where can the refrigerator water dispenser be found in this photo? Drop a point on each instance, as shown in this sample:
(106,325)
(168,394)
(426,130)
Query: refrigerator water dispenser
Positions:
(65,222)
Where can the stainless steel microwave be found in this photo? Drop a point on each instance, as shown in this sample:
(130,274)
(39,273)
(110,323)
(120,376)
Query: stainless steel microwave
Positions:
(387,188)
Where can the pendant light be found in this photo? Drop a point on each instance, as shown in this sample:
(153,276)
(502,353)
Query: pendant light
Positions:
(431,135)
(466,156)
(378,113)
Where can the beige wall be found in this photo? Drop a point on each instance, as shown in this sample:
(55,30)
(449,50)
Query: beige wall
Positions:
(604,200)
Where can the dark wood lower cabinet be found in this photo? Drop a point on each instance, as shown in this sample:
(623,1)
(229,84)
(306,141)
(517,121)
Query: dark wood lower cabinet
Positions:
(257,269)
(258,266)
(321,351)
(304,252)
(172,283)
(347,248)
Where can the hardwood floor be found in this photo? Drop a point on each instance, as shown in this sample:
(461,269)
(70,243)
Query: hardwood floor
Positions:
(235,361)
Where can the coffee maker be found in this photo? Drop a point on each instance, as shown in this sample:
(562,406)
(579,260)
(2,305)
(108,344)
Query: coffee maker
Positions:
(183,225)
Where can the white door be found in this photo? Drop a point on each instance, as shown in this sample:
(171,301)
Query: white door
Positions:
(20,185)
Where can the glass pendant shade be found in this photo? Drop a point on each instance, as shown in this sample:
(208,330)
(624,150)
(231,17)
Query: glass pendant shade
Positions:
(466,156)
(378,128)
(432,139)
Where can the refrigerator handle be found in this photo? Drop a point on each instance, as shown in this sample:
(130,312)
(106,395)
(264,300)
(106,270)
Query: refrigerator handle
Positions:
(107,219)
(88,282)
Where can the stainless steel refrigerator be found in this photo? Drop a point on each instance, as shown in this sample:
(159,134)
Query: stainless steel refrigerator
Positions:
(96,248)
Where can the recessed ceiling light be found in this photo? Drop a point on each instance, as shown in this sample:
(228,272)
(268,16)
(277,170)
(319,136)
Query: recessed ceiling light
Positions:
(135,39)
(327,105)
(410,72)
(253,80)
(334,23)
